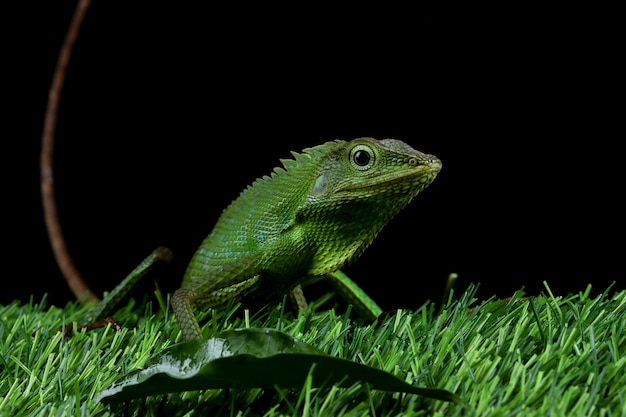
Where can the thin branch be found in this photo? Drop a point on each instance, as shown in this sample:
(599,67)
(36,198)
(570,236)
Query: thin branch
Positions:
(63,258)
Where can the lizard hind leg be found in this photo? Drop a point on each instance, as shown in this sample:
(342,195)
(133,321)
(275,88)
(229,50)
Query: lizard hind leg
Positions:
(204,296)
(182,300)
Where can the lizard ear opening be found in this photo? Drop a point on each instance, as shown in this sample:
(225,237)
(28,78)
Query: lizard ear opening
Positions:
(362,157)
(321,184)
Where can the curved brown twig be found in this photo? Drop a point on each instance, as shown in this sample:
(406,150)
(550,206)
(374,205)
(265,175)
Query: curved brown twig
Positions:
(63,258)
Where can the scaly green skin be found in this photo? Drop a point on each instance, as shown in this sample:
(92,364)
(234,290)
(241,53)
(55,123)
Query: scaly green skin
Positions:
(305,220)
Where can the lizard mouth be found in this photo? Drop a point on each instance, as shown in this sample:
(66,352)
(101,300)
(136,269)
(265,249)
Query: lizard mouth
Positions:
(416,178)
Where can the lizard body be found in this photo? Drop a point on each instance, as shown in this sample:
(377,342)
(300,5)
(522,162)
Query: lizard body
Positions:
(307,219)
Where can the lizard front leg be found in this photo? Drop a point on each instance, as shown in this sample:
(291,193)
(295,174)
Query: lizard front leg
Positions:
(298,300)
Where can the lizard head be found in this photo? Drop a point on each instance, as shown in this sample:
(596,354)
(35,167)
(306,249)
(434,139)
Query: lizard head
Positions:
(369,168)
(357,187)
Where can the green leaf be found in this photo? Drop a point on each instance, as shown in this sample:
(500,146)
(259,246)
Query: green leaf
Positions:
(252,358)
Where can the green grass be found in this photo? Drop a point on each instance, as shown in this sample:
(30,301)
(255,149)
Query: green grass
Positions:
(557,356)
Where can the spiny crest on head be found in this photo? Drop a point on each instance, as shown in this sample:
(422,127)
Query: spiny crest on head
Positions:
(314,153)
(306,159)
(303,166)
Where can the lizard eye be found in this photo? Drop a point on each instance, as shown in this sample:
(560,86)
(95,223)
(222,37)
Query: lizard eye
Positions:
(362,157)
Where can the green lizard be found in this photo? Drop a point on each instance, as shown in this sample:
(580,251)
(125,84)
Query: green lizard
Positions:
(305,221)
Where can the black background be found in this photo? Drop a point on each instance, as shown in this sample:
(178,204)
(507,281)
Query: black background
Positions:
(170,110)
